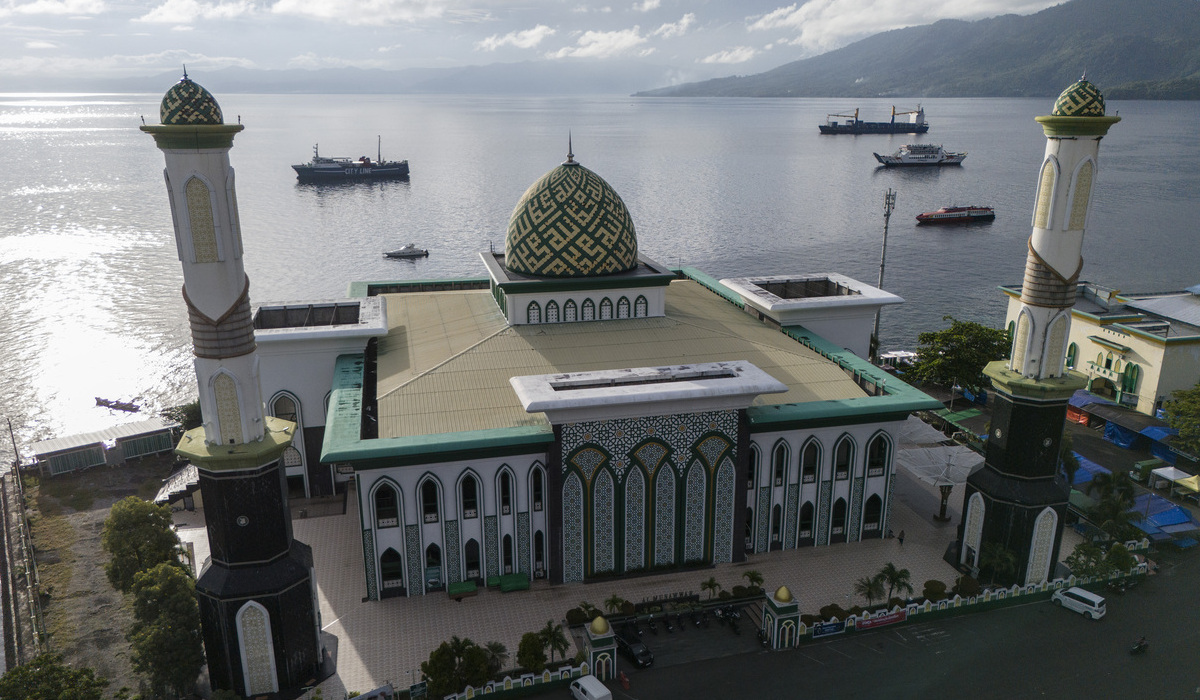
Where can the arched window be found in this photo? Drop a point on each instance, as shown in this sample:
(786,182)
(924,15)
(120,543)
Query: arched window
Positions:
(639,307)
(605,309)
(780,463)
(391,569)
(537,489)
(471,559)
(539,554)
(877,456)
(433,566)
(806,522)
(284,407)
(534,312)
(842,458)
(1108,360)
(838,522)
(752,472)
(387,507)
(508,554)
(1072,353)
(1129,379)
(570,311)
(872,514)
(776,522)
(505,493)
(589,310)
(470,497)
(292,457)
(749,529)
(552,312)
(622,308)
(429,501)
(809,462)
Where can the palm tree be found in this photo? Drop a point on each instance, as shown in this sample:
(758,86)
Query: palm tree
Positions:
(753,577)
(870,587)
(588,609)
(711,586)
(497,656)
(1114,517)
(614,603)
(1117,486)
(896,579)
(997,559)
(554,639)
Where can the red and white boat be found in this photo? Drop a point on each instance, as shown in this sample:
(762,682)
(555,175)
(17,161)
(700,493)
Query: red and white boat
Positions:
(956,215)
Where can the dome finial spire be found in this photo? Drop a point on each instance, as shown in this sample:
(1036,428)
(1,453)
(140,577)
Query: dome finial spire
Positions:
(185,71)
(570,152)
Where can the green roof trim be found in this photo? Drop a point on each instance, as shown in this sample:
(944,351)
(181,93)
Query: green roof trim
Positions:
(713,285)
(344,443)
(898,400)
(192,136)
(361,290)
(1108,343)
(277,436)
(1049,390)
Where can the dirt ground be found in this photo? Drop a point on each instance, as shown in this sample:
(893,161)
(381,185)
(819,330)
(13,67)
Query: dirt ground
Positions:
(86,618)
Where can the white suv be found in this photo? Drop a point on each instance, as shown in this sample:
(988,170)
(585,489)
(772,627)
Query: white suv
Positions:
(1081,601)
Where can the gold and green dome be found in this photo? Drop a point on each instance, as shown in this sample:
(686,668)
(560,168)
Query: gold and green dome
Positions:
(189,104)
(1082,99)
(570,223)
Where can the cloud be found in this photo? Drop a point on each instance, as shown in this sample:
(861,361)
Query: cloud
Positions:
(54,7)
(119,64)
(311,60)
(646,5)
(584,9)
(605,45)
(672,29)
(40,45)
(363,12)
(738,54)
(183,12)
(823,25)
(525,39)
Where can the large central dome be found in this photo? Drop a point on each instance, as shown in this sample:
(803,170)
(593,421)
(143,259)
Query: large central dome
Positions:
(570,223)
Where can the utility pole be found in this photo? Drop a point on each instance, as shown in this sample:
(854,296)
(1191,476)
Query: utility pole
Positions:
(889,203)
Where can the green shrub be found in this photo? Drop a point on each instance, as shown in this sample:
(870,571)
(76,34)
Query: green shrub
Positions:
(833,611)
(725,595)
(934,590)
(576,616)
(739,591)
(967,587)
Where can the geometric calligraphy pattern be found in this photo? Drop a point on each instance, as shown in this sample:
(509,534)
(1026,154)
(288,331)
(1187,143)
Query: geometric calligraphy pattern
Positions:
(200,221)
(523,541)
(693,532)
(620,437)
(572,510)
(186,103)
(453,574)
(256,646)
(664,518)
(723,519)
(789,528)
(635,518)
(823,512)
(856,497)
(412,546)
(602,523)
(1043,541)
(491,544)
(764,518)
(369,560)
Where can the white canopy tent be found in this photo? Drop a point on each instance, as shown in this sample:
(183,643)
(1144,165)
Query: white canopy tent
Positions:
(933,458)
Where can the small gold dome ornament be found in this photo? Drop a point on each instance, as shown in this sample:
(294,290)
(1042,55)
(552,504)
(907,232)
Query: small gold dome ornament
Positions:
(599,626)
(783,595)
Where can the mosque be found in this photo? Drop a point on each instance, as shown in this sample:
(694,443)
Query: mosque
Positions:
(582,412)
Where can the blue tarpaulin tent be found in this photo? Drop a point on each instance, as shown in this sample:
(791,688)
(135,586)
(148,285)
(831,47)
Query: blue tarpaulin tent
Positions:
(1087,471)
(1158,437)
(1122,437)
(1162,519)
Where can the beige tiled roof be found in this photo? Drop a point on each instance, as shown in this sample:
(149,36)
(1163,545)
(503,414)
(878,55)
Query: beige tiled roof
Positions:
(445,365)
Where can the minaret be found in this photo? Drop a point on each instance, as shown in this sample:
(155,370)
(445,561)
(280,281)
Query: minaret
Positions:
(1019,500)
(258,594)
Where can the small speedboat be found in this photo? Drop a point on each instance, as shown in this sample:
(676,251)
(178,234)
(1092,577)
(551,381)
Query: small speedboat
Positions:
(409,251)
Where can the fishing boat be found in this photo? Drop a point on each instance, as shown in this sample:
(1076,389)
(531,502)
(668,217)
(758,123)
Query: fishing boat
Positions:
(324,169)
(956,215)
(851,124)
(127,406)
(921,154)
(408,251)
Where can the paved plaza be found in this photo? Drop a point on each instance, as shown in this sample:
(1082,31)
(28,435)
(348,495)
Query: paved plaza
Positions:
(386,641)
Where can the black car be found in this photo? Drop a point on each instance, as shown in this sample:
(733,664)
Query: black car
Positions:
(637,652)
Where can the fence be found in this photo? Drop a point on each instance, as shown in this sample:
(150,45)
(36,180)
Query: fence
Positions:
(524,684)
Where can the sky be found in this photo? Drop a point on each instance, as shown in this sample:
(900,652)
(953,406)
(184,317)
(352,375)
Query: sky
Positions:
(133,38)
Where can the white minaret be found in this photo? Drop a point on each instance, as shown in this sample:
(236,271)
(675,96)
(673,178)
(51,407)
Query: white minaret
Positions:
(1069,168)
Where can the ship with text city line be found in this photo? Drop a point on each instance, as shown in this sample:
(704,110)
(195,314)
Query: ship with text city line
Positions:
(325,169)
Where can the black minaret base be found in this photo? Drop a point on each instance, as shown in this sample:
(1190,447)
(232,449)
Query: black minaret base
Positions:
(1020,478)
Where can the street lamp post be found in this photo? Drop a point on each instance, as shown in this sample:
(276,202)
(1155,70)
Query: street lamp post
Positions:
(889,203)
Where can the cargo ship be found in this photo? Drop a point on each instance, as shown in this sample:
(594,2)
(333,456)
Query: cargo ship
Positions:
(324,169)
(956,215)
(851,124)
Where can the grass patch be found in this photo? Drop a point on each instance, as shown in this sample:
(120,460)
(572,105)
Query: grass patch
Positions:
(56,564)
(147,490)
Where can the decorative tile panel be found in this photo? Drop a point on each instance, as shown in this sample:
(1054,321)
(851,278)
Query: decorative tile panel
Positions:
(789,523)
(856,499)
(523,564)
(368,538)
(491,544)
(602,523)
(763,511)
(679,433)
(255,627)
(664,517)
(823,513)
(693,533)
(1038,569)
(712,449)
(200,221)
(635,520)
(453,570)
(412,550)
(588,460)
(572,510)
(723,518)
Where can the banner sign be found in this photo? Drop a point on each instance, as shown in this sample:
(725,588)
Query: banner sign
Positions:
(881,620)
(825,629)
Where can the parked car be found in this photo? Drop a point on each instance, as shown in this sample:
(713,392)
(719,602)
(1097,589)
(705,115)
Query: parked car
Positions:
(589,688)
(636,651)
(1080,600)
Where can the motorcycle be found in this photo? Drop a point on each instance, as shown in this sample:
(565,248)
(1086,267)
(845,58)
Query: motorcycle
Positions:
(1139,647)
(653,627)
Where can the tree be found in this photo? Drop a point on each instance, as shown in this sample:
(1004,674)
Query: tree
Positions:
(497,656)
(166,642)
(455,665)
(869,587)
(1183,414)
(997,559)
(1087,559)
(613,603)
(187,415)
(896,579)
(754,578)
(588,609)
(531,653)
(47,677)
(1120,559)
(1067,461)
(1117,486)
(1112,515)
(554,639)
(139,537)
(711,586)
(959,353)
